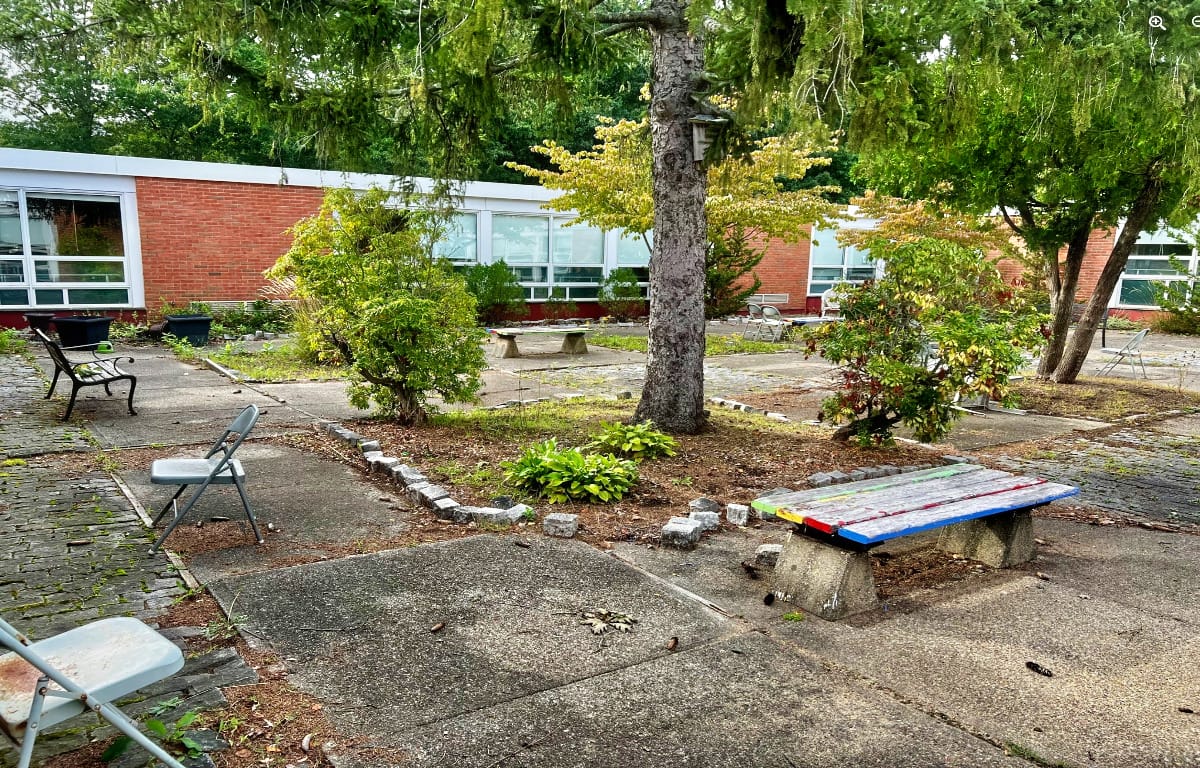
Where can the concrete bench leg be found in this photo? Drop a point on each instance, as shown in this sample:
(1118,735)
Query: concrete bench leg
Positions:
(824,579)
(999,541)
(574,344)
(508,346)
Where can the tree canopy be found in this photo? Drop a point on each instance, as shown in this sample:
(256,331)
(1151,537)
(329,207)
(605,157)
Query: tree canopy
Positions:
(1064,117)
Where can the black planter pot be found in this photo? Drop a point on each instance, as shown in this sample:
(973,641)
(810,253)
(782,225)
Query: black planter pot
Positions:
(40,321)
(82,332)
(194,328)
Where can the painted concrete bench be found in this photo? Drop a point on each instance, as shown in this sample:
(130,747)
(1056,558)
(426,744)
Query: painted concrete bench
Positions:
(574,342)
(825,567)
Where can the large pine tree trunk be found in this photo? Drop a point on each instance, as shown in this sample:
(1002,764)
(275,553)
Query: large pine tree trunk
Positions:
(1140,215)
(673,397)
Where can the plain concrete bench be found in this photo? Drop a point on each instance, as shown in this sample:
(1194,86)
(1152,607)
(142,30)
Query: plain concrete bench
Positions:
(574,342)
(825,566)
(99,370)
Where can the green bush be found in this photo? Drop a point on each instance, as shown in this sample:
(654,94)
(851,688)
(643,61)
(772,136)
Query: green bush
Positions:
(11,342)
(263,315)
(498,294)
(634,441)
(562,474)
(403,323)
(1181,303)
(621,296)
(557,308)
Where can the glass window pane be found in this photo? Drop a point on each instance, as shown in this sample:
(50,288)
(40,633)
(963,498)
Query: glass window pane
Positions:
(11,298)
(1178,250)
(531,274)
(1140,292)
(856,257)
(44,296)
(816,289)
(538,292)
(584,292)
(642,273)
(10,224)
(826,250)
(860,273)
(1144,266)
(827,274)
(83,225)
(12,272)
(521,239)
(459,241)
(633,251)
(79,271)
(577,244)
(578,274)
(98,296)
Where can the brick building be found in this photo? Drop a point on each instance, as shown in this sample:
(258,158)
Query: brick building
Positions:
(122,234)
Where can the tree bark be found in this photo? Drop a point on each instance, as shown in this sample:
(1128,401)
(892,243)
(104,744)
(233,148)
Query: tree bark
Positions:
(673,396)
(1062,285)
(1140,214)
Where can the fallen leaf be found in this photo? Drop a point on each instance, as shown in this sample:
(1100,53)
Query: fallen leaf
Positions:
(673,643)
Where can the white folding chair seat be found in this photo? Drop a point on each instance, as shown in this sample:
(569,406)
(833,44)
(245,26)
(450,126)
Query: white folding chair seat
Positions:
(50,681)
(1128,353)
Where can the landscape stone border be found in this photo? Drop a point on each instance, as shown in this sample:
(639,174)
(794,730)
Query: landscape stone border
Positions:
(682,532)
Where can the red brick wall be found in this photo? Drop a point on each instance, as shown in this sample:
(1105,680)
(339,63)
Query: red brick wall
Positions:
(211,241)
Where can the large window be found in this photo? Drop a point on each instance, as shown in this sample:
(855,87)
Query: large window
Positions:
(550,258)
(62,250)
(831,263)
(1150,263)
(459,241)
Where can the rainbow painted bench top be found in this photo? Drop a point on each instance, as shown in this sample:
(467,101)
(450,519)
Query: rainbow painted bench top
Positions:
(869,512)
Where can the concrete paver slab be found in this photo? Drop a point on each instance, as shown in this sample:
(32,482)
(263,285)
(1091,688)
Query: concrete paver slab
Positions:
(317,506)
(739,702)
(358,629)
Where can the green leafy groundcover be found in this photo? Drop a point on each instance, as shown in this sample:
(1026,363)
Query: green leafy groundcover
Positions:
(560,475)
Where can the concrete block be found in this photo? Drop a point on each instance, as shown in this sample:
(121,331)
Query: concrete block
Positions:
(368,445)
(488,516)
(737,514)
(560,524)
(408,475)
(871,473)
(1000,541)
(382,463)
(767,555)
(820,479)
(836,477)
(889,469)
(372,455)
(681,532)
(447,508)
(516,512)
(413,492)
(856,475)
(823,579)
(704,505)
(959,460)
(709,521)
(427,495)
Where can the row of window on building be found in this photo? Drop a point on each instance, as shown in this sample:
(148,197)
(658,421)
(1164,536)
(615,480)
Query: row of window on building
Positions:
(64,250)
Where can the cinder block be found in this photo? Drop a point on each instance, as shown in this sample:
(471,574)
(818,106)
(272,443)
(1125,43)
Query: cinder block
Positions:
(737,514)
(704,505)
(681,532)
(560,524)
(823,579)
(709,521)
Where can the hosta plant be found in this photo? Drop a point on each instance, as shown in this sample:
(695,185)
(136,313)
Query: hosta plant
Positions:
(634,441)
(559,475)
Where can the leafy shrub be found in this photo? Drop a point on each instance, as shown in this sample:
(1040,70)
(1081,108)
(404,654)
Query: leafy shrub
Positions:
(940,324)
(1180,302)
(635,441)
(562,474)
(621,296)
(557,308)
(498,294)
(1121,323)
(263,315)
(11,342)
(403,323)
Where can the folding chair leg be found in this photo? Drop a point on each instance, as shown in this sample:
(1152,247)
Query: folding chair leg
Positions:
(34,722)
(179,515)
(249,513)
(168,506)
(130,729)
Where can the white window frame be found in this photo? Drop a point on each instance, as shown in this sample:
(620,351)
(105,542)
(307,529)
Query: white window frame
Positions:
(123,189)
(819,235)
(1157,237)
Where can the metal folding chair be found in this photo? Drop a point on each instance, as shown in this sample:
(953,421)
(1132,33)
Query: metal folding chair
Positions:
(754,319)
(87,668)
(1128,353)
(218,467)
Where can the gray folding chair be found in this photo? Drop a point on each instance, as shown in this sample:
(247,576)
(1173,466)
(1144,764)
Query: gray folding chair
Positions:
(773,323)
(754,319)
(87,668)
(1128,353)
(218,467)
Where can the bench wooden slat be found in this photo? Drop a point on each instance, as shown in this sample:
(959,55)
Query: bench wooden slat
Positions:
(845,490)
(882,529)
(870,505)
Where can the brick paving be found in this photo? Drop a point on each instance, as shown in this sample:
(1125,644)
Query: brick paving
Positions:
(1137,473)
(73,549)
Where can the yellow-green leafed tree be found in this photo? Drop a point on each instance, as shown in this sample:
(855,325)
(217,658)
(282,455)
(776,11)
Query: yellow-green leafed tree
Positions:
(610,186)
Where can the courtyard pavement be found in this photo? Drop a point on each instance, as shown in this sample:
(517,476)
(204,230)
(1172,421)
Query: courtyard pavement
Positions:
(709,674)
